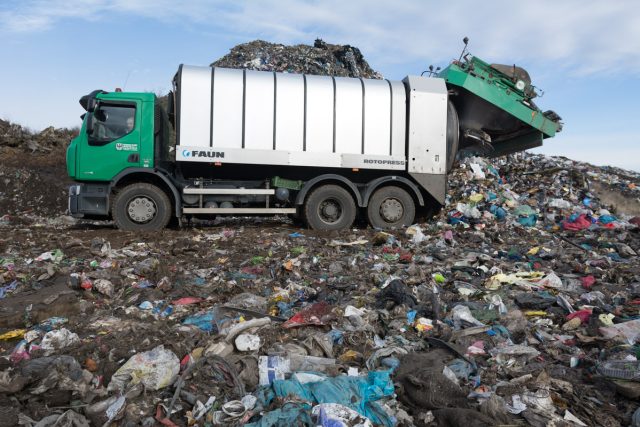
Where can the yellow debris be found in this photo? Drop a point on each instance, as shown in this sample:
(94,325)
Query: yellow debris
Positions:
(535,313)
(13,334)
(606,319)
(476,198)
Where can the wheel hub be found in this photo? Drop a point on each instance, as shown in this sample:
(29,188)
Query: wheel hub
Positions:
(141,209)
(391,210)
(330,211)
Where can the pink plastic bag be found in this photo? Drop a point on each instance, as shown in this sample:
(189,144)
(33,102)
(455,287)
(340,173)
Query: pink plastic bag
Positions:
(316,314)
(583,315)
(580,223)
(588,281)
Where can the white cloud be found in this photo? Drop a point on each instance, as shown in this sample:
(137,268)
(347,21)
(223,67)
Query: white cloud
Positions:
(578,37)
(42,15)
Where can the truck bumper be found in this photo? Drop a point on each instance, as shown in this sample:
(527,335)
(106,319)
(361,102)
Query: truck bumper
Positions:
(89,200)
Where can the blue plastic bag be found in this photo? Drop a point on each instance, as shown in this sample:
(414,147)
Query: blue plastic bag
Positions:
(358,393)
(499,212)
(607,219)
(203,321)
(291,414)
(528,221)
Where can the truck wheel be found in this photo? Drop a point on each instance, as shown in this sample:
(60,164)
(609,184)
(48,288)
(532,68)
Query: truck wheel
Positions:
(141,207)
(391,207)
(330,207)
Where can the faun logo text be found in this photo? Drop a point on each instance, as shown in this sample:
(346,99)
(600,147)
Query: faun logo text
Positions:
(203,153)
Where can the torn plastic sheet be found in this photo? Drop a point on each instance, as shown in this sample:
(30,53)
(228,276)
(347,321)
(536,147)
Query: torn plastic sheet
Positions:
(357,393)
(534,280)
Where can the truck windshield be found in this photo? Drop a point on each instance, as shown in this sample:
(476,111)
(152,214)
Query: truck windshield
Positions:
(110,122)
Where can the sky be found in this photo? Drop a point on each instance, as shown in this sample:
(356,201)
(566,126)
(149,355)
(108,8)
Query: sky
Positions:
(585,56)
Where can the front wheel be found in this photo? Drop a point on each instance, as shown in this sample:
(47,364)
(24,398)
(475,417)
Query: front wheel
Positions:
(330,207)
(141,207)
(391,207)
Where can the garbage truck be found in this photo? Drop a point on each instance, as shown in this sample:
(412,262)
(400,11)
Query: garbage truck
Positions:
(323,149)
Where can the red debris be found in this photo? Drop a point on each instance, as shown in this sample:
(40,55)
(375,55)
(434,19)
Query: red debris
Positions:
(316,314)
(588,281)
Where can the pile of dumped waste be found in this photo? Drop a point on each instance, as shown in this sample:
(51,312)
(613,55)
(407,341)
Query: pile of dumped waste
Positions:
(15,135)
(518,304)
(322,59)
(33,176)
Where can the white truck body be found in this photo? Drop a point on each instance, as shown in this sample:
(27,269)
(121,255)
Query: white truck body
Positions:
(282,119)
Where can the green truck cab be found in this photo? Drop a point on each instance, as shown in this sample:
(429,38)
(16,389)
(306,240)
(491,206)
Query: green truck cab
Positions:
(115,146)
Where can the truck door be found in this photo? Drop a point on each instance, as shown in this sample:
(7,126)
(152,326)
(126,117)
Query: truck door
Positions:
(112,143)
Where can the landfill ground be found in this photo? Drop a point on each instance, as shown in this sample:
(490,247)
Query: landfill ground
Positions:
(517,304)
(468,314)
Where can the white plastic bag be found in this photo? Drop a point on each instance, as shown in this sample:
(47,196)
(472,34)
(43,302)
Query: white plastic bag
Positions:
(155,369)
(57,340)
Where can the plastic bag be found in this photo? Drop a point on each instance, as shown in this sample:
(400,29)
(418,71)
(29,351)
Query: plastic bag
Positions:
(273,368)
(57,340)
(502,353)
(559,203)
(204,321)
(468,210)
(356,393)
(315,314)
(576,224)
(461,313)
(155,369)
(291,414)
(416,234)
(630,331)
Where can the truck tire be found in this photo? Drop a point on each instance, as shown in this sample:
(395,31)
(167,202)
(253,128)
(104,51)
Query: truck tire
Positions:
(141,207)
(329,207)
(391,207)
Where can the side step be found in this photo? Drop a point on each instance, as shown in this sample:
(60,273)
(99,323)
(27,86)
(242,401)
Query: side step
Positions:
(239,210)
(262,191)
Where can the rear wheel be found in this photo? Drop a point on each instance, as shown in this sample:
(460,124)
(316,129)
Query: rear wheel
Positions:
(141,207)
(330,207)
(391,207)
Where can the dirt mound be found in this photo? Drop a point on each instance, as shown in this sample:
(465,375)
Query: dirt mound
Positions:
(322,59)
(15,135)
(32,184)
(33,175)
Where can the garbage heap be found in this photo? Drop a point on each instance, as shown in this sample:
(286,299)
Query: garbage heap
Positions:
(322,59)
(33,176)
(15,135)
(518,304)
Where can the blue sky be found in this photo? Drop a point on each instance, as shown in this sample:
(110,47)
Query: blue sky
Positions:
(584,55)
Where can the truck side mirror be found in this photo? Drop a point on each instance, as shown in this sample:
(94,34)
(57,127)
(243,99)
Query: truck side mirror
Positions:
(89,127)
(91,105)
(88,102)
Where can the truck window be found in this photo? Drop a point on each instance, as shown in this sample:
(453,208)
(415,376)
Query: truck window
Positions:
(111,122)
